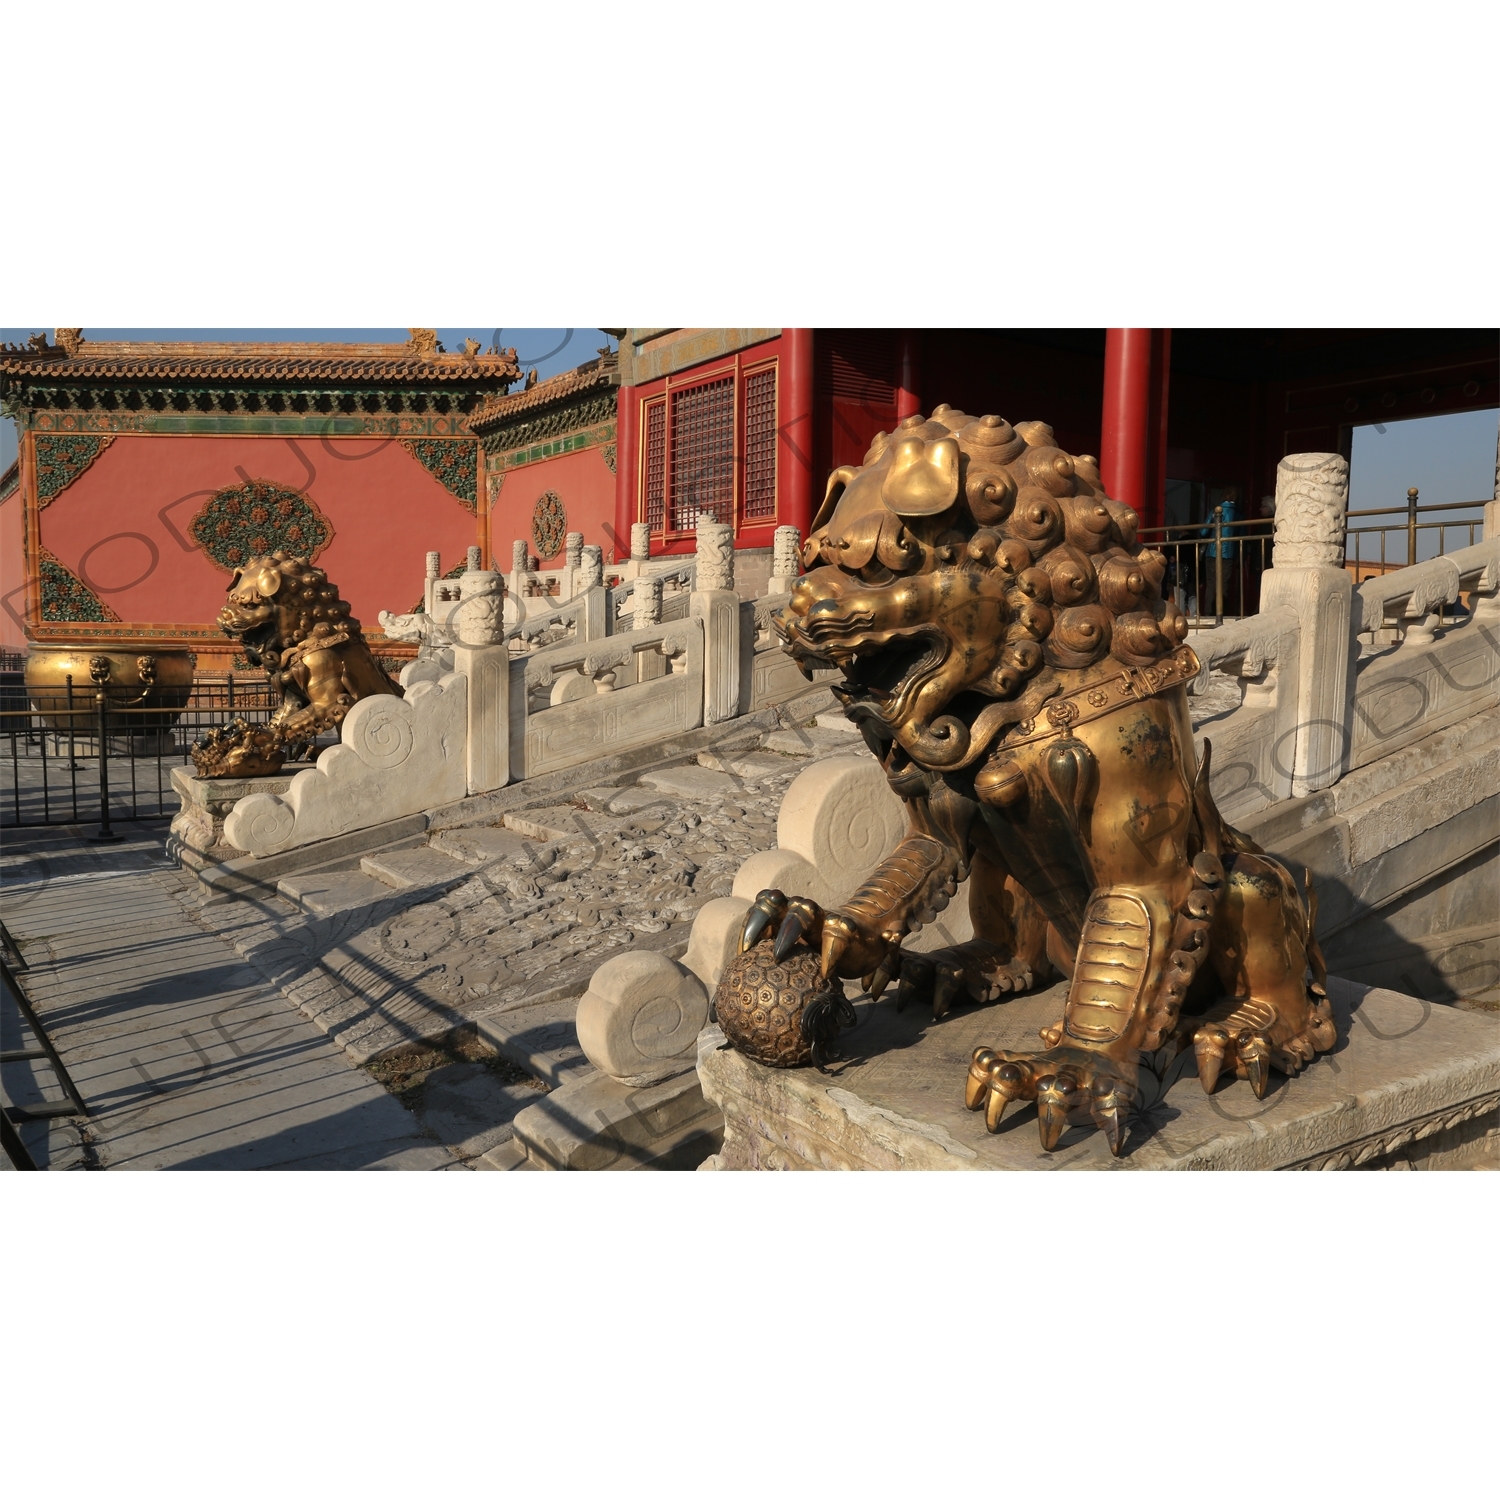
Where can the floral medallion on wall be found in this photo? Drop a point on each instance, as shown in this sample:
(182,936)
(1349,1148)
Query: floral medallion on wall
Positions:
(252,519)
(549,525)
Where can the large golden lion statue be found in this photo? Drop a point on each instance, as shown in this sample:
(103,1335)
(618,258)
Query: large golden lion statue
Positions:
(1008,655)
(289,619)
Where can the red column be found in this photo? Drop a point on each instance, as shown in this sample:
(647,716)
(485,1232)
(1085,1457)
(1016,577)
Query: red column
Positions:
(627,425)
(909,391)
(1127,397)
(1156,425)
(796,436)
(1133,445)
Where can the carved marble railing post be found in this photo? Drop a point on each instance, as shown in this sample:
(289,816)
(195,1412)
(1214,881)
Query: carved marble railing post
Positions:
(645,603)
(480,653)
(645,614)
(786,559)
(593,621)
(640,542)
(516,582)
(571,565)
(1307,574)
(715,602)
(474,560)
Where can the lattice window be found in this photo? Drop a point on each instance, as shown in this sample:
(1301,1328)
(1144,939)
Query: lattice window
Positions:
(760,445)
(656,465)
(709,453)
(702,445)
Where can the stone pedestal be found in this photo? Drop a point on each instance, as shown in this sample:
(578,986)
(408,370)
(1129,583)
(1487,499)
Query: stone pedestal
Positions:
(197,836)
(1409,1084)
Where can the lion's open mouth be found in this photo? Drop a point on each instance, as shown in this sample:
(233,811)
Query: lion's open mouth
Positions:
(882,671)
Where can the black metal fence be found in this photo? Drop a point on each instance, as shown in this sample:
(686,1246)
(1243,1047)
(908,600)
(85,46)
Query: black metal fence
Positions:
(97,754)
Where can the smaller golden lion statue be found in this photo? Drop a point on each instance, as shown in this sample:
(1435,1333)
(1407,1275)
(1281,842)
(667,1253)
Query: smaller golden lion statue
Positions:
(290,620)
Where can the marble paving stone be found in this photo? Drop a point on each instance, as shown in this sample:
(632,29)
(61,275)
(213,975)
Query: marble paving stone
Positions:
(1403,1072)
(187,1058)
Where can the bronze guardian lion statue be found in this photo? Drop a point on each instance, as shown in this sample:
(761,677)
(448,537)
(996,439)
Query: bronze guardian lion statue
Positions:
(1008,655)
(289,619)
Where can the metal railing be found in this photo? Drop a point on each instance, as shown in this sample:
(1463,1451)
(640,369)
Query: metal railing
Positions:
(1409,527)
(94,753)
(1213,567)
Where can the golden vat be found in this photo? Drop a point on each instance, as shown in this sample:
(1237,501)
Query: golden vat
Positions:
(140,680)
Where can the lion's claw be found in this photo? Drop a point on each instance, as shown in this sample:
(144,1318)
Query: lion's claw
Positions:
(767,911)
(847,950)
(1065,1082)
(978,970)
(1248,1038)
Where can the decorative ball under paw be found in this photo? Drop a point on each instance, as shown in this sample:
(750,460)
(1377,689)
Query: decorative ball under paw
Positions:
(781,1014)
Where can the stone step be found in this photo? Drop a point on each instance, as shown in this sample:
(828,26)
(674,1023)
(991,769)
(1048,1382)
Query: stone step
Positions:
(837,722)
(544,824)
(328,892)
(809,743)
(692,783)
(404,868)
(543,1039)
(751,765)
(478,846)
(253,875)
(596,1124)
(509,1156)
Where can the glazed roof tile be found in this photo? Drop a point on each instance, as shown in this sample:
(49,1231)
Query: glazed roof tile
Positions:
(234,363)
(597,373)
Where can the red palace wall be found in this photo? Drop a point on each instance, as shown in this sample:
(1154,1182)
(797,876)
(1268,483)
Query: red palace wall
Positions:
(582,480)
(122,525)
(12,573)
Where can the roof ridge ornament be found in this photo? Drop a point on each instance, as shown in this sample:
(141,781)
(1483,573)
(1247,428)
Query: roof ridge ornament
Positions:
(424,343)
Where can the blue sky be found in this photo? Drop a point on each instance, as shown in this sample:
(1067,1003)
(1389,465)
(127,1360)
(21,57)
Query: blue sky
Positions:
(1448,459)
